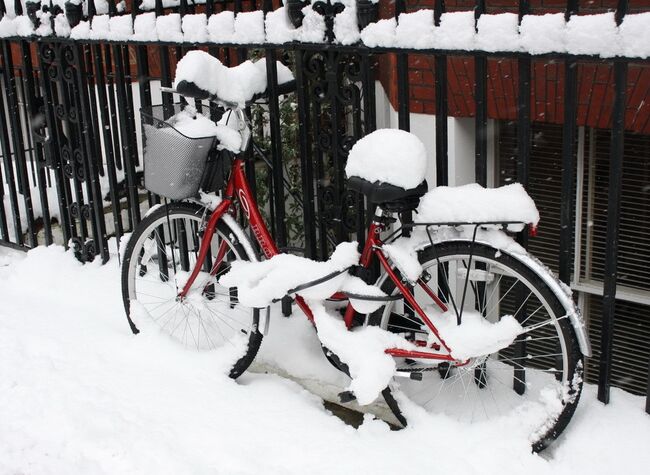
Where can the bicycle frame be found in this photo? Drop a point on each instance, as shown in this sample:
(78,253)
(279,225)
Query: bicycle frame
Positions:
(238,189)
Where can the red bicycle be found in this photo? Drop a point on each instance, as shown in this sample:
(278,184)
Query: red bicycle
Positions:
(175,257)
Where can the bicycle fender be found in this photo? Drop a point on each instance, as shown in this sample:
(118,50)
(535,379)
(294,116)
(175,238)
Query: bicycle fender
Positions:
(561,291)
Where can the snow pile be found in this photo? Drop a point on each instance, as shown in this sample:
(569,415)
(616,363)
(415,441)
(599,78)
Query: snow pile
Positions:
(456,31)
(229,139)
(192,124)
(541,34)
(538,34)
(81,31)
(260,283)
(79,393)
(474,204)
(415,30)
(249,28)
(354,286)
(313,26)
(380,34)
(195,28)
(221,27)
(99,27)
(144,27)
(278,27)
(498,32)
(346,28)
(237,84)
(121,28)
(61,25)
(45,25)
(168,28)
(475,336)
(362,350)
(635,35)
(405,258)
(24,26)
(101,6)
(7,27)
(388,156)
(593,34)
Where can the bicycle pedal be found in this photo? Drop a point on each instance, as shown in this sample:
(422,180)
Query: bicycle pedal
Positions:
(416,376)
(347,396)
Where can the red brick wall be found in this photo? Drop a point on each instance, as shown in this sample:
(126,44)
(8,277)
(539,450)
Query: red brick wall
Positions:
(547,89)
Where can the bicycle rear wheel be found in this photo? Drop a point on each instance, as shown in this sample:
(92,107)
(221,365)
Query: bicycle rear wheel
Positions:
(158,259)
(537,379)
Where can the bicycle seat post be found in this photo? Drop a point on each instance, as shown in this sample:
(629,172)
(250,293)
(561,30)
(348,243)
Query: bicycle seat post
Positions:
(406,218)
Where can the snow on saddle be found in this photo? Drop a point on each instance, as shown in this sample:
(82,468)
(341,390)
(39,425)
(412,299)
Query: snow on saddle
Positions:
(388,166)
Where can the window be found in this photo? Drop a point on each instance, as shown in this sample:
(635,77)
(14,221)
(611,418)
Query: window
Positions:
(632,321)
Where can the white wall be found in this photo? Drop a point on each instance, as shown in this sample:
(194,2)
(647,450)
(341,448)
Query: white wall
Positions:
(460,145)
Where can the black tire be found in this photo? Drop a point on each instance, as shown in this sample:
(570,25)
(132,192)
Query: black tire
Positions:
(204,311)
(557,334)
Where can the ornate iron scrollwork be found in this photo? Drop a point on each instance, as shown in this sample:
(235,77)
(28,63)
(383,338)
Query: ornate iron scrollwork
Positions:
(84,251)
(333,83)
(65,109)
(328,10)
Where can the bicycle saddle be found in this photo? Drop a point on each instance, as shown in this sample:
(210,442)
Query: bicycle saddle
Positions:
(390,197)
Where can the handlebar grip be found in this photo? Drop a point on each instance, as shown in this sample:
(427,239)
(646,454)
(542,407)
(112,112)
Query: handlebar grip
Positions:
(189,89)
(287,87)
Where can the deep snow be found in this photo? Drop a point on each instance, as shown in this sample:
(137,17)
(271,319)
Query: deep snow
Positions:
(80,394)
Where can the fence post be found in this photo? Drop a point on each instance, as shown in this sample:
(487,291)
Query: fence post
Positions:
(480,98)
(613,220)
(523,174)
(440,81)
(6,154)
(568,156)
(403,119)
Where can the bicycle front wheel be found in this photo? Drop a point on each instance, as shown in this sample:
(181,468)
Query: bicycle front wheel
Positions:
(536,380)
(158,259)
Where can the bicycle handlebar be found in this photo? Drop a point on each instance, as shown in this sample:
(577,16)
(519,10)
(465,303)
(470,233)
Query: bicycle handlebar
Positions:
(191,90)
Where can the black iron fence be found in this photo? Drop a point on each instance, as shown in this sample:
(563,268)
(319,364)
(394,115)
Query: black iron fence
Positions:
(71,149)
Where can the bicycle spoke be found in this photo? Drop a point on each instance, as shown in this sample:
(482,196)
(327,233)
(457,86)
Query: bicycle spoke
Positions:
(491,385)
(208,317)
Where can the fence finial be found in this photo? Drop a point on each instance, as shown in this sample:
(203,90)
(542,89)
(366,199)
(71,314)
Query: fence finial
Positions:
(571,9)
(524,9)
(621,11)
(328,11)
(438,10)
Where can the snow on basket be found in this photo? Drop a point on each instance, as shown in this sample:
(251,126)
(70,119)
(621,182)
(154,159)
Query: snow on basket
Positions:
(175,149)
(388,156)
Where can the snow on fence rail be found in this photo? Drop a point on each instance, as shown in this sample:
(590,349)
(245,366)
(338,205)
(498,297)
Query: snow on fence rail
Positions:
(590,35)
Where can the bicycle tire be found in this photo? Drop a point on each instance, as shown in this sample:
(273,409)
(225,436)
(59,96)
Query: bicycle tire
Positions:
(567,372)
(174,230)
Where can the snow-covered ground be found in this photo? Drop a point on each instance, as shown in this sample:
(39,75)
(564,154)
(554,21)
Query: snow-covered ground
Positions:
(79,394)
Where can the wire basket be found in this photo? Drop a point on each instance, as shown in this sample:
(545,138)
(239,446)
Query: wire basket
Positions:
(174,163)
